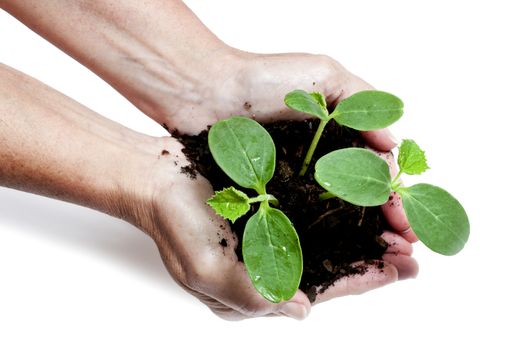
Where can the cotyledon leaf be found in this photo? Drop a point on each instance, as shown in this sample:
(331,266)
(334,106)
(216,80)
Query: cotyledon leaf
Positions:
(368,110)
(272,254)
(436,217)
(244,150)
(356,175)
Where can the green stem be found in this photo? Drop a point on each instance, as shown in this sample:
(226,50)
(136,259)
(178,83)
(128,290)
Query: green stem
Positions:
(312,147)
(326,195)
(264,197)
(394,183)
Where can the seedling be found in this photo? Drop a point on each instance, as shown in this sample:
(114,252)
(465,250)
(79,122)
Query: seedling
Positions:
(245,151)
(363,111)
(360,177)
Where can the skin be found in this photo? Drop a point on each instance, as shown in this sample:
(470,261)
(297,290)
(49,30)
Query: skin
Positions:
(181,75)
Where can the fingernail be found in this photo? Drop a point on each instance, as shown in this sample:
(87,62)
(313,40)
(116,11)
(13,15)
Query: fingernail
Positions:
(392,137)
(294,310)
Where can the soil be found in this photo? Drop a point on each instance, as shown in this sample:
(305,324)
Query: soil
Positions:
(333,233)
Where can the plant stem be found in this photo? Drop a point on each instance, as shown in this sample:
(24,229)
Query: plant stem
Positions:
(264,197)
(312,147)
(326,195)
(394,182)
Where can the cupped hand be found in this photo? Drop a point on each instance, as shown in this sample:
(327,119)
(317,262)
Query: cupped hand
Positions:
(255,85)
(198,248)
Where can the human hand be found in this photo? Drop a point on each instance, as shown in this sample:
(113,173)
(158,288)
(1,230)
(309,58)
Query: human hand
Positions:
(255,85)
(189,236)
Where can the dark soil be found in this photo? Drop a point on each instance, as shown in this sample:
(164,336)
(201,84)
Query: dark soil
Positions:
(333,234)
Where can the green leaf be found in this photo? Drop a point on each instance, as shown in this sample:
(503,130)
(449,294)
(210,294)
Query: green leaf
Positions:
(412,159)
(321,100)
(355,175)
(436,217)
(230,203)
(272,254)
(310,103)
(244,150)
(368,110)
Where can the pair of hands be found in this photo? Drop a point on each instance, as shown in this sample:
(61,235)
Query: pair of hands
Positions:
(187,231)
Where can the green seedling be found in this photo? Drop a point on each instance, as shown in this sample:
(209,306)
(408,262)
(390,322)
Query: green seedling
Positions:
(245,151)
(360,177)
(363,111)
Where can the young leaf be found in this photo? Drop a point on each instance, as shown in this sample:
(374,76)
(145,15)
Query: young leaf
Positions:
(272,254)
(244,150)
(321,99)
(310,103)
(355,175)
(412,159)
(230,203)
(368,110)
(436,217)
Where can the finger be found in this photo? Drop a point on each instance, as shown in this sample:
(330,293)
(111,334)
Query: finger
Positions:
(376,275)
(381,140)
(407,266)
(393,209)
(396,244)
(396,217)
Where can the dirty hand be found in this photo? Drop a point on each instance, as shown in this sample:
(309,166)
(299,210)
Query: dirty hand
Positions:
(255,85)
(180,74)
(198,248)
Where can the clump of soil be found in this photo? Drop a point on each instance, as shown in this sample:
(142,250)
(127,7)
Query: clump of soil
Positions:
(333,233)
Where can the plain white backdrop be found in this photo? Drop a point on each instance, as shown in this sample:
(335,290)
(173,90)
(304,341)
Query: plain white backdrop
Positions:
(72,278)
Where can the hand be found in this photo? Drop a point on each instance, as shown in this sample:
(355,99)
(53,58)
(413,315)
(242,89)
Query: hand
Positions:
(188,234)
(255,85)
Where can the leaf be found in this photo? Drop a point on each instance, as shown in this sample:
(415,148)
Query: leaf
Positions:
(310,103)
(230,203)
(355,175)
(368,110)
(436,217)
(272,254)
(321,100)
(244,150)
(412,159)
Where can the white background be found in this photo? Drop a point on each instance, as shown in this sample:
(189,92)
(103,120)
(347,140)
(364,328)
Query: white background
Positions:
(72,278)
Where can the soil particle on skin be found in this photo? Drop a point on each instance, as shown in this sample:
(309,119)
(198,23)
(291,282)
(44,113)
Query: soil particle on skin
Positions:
(333,233)
(165,152)
(190,171)
(247,106)
(223,242)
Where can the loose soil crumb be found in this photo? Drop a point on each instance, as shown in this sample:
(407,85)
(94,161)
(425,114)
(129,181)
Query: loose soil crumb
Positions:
(165,152)
(333,234)
(189,170)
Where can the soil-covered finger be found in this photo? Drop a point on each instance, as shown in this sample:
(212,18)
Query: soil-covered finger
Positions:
(375,274)
(397,244)
(396,217)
